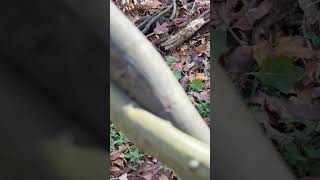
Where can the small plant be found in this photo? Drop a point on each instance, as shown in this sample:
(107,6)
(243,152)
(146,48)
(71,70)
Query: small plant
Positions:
(170,60)
(177,73)
(134,156)
(313,38)
(300,154)
(254,108)
(279,73)
(203,109)
(116,138)
(196,85)
(296,159)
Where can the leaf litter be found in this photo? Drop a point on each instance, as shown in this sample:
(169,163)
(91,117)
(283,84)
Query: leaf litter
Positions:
(270,48)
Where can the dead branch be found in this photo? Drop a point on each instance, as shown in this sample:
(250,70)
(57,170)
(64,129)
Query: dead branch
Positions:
(185,33)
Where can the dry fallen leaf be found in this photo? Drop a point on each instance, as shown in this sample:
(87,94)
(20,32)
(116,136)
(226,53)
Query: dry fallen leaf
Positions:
(292,47)
(161,28)
(201,76)
(115,171)
(242,24)
(304,94)
(152,4)
(239,60)
(288,108)
(116,154)
(148,176)
(312,69)
(287,47)
(183,2)
(123,176)
(184,81)
(189,66)
(261,51)
(259,12)
(118,162)
(180,22)
(202,48)
(316,92)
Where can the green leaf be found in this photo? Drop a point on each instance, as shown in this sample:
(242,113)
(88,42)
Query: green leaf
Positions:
(203,108)
(218,42)
(313,38)
(134,156)
(280,73)
(170,60)
(177,73)
(313,153)
(196,85)
(254,108)
(293,154)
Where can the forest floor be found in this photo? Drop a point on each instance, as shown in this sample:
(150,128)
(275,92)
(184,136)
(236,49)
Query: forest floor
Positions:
(189,62)
(270,48)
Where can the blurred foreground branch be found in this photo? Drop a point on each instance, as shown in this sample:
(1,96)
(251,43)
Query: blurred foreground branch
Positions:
(189,157)
(138,69)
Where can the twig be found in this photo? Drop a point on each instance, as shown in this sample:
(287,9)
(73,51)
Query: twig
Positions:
(147,20)
(228,27)
(147,27)
(310,3)
(193,5)
(185,33)
(174,9)
(304,31)
(204,13)
(245,2)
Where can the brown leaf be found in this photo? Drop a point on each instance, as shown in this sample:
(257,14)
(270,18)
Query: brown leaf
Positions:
(259,12)
(115,171)
(116,154)
(181,21)
(304,111)
(161,28)
(239,60)
(316,92)
(205,95)
(291,41)
(304,95)
(189,66)
(307,112)
(152,4)
(202,96)
(118,162)
(312,69)
(287,46)
(184,81)
(202,48)
(183,2)
(242,24)
(292,47)
(148,176)
(261,50)
(123,176)
(201,76)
